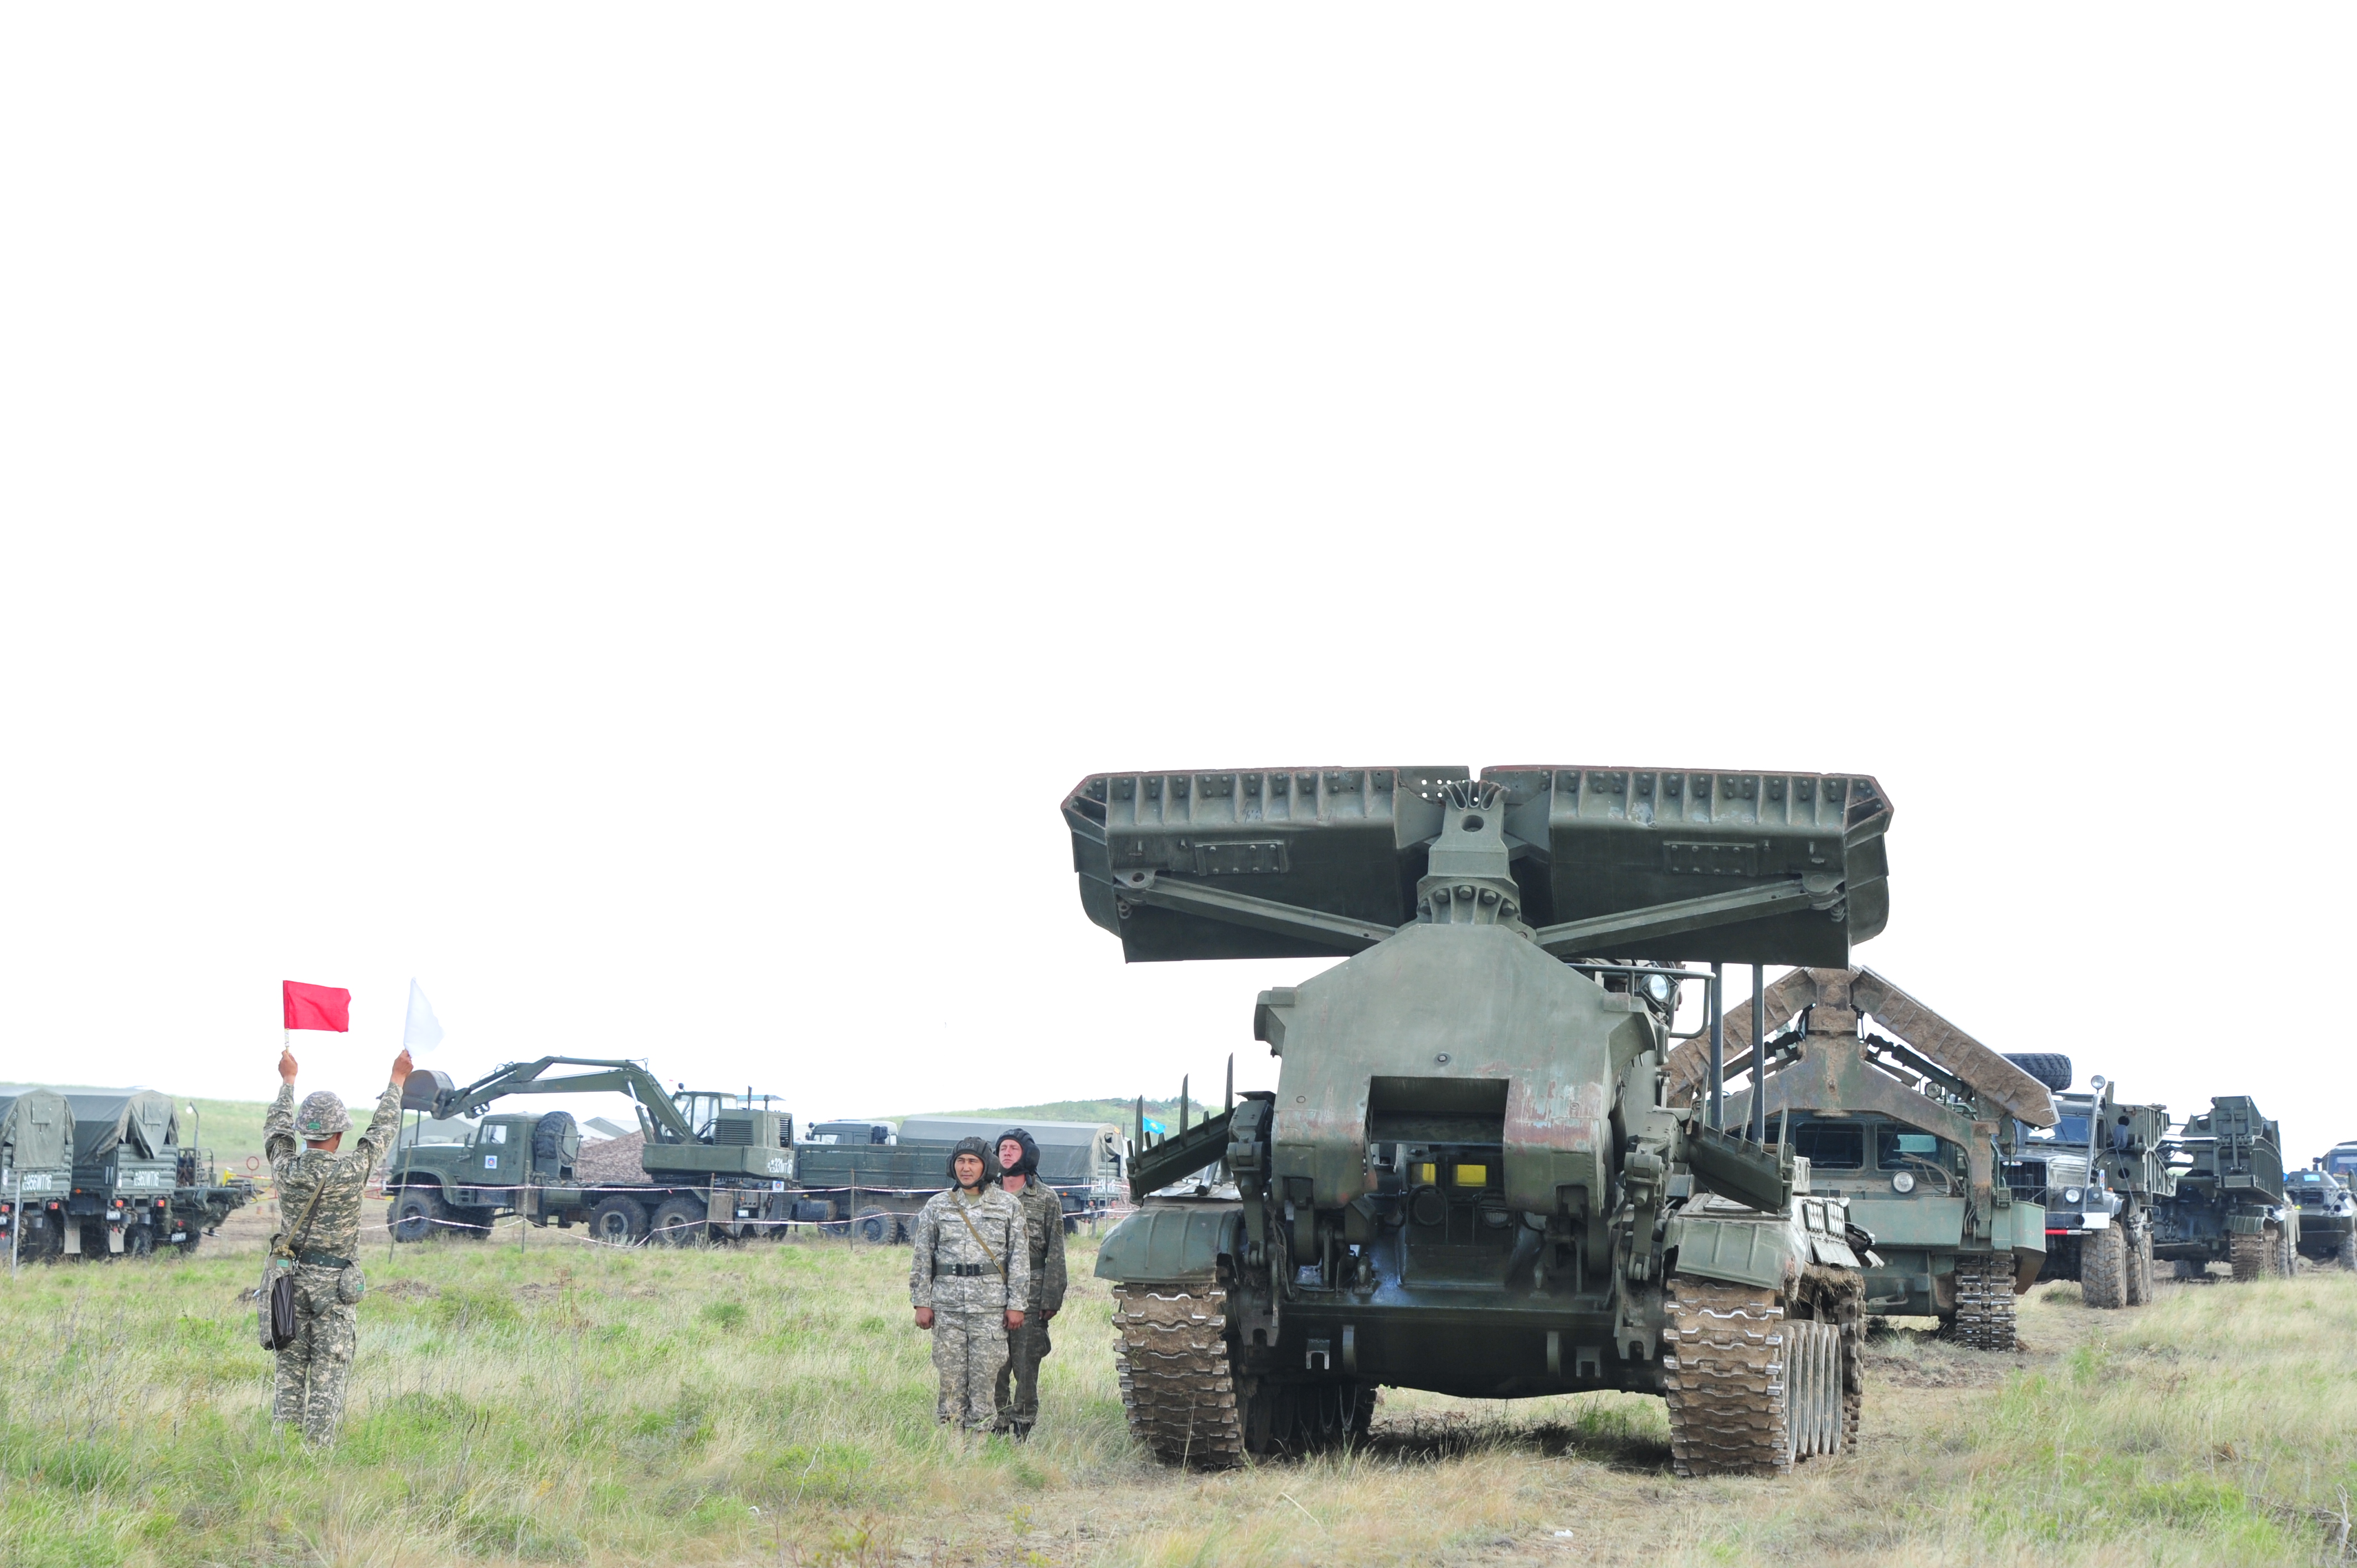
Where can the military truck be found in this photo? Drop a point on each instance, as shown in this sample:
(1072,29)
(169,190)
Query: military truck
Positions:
(872,1177)
(2099,1173)
(1086,1162)
(1915,1131)
(711,1169)
(35,1173)
(2340,1161)
(1468,1178)
(2230,1205)
(126,1165)
(2328,1217)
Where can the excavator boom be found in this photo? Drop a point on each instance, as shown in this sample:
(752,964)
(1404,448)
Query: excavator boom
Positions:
(524,1078)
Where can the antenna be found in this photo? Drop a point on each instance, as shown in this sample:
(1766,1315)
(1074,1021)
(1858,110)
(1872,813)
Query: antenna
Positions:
(1182,1104)
(1229,1103)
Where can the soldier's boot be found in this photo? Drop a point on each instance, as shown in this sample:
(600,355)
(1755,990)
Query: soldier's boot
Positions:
(1021,1430)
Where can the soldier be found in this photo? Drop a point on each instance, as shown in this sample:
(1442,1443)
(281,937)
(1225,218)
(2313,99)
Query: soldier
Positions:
(968,1279)
(1043,1223)
(319,1192)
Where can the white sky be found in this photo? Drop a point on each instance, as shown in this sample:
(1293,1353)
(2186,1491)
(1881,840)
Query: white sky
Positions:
(637,518)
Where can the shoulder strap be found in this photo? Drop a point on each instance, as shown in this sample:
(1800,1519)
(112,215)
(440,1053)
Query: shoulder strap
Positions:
(959,1204)
(303,1226)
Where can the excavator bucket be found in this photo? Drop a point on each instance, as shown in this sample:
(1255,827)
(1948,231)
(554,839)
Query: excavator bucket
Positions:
(1324,861)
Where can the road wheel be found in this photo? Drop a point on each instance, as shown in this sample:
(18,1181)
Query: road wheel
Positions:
(2104,1268)
(415,1214)
(681,1222)
(618,1222)
(877,1225)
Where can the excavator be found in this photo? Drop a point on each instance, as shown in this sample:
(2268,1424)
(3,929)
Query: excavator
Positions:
(710,1169)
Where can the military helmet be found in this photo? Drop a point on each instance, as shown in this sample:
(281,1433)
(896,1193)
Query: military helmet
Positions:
(1031,1163)
(975,1146)
(321,1116)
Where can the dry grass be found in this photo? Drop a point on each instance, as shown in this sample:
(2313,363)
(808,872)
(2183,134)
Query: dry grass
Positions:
(771,1405)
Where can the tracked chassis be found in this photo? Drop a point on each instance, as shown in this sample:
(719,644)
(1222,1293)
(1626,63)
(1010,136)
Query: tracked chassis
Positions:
(1470,1180)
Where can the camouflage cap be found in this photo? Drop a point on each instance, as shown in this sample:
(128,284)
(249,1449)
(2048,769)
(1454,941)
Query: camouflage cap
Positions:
(321,1115)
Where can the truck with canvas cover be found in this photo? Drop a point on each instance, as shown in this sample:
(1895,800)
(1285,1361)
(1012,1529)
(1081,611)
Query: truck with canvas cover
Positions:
(2100,1173)
(2328,1217)
(873,1178)
(1469,1178)
(2230,1205)
(708,1169)
(126,1163)
(35,1173)
(1912,1120)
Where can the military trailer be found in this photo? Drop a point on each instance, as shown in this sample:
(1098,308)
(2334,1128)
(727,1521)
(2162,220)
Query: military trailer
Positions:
(709,1169)
(1469,1178)
(35,1173)
(1912,1121)
(2230,1205)
(2328,1217)
(2100,1172)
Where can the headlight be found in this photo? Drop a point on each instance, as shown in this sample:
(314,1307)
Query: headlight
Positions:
(2071,1195)
(1660,987)
(1903,1182)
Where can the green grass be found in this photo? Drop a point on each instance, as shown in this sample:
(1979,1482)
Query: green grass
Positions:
(772,1404)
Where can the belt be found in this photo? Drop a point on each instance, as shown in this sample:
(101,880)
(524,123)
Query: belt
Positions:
(962,1270)
(322,1261)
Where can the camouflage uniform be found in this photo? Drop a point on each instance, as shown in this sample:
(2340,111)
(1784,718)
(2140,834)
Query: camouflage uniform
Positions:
(313,1370)
(950,1273)
(1043,1224)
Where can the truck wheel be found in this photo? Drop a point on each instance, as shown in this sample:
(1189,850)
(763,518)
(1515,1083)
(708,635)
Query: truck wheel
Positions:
(877,1225)
(415,1214)
(2139,1277)
(187,1248)
(2345,1255)
(681,1221)
(2104,1268)
(619,1223)
(548,1140)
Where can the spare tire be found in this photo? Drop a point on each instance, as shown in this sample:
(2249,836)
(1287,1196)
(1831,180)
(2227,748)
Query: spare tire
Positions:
(548,1140)
(2049,1067)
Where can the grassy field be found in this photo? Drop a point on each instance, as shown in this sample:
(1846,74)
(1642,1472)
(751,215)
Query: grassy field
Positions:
(564,1403)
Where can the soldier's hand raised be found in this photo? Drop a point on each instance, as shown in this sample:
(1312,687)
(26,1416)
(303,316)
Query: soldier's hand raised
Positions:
(924,1318)
(401,1066)
(287,1069)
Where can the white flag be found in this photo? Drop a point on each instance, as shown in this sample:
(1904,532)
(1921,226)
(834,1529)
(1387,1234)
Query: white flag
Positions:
(424,1031)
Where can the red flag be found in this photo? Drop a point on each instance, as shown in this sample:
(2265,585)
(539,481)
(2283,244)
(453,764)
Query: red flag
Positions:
(319,1007)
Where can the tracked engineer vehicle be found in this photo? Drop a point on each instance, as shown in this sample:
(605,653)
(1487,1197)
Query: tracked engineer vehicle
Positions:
(1468,1178)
